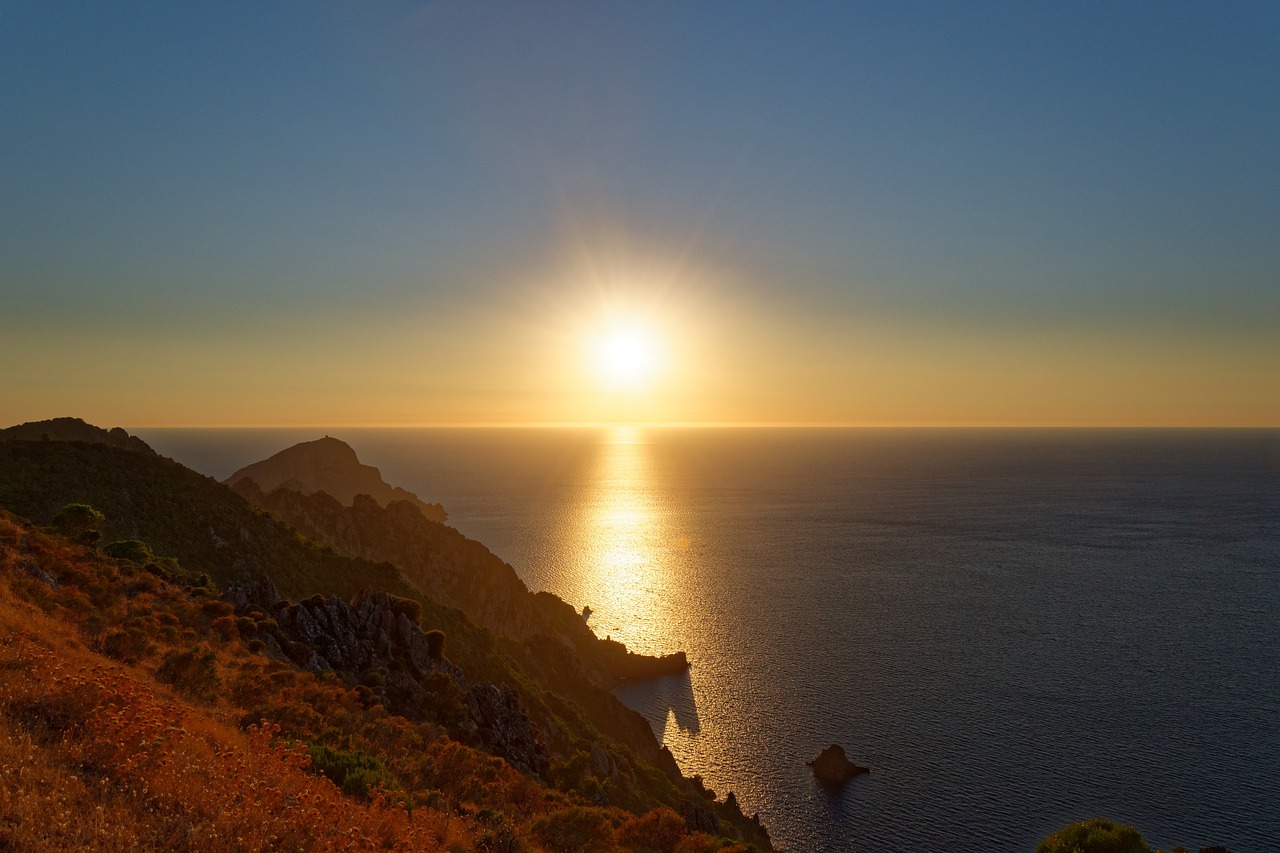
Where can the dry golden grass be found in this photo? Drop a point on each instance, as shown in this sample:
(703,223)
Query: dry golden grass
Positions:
(95,758)
(97,754)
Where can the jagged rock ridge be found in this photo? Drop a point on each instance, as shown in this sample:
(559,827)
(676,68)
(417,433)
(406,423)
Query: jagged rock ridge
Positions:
(373,641)
(331,466)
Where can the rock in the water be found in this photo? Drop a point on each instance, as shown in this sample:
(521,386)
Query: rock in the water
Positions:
(833,768)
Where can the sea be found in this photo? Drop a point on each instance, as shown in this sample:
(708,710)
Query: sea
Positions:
(1014,629)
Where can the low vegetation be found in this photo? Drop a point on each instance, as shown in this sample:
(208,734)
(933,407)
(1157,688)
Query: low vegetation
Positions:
(133,714)
(1100,835)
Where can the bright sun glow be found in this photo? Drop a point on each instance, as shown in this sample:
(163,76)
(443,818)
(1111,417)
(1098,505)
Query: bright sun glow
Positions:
(627,357)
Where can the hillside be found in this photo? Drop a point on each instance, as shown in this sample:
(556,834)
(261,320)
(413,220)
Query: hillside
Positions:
(331,466)
(135,714)
(209,537)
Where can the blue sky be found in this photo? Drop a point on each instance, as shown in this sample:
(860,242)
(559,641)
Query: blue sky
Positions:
(841,212)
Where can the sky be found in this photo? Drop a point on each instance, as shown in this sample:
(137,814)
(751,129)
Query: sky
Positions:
(898,213)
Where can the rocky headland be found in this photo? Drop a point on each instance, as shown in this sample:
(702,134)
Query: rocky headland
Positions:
(331,466)
(441,561)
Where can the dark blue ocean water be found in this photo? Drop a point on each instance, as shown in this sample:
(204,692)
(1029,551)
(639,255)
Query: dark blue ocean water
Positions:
(1013,629)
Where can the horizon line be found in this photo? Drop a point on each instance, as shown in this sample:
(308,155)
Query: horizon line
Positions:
(708,425)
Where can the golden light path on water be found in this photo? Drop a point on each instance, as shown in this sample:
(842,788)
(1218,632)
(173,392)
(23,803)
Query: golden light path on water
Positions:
(620,570)
(634,565)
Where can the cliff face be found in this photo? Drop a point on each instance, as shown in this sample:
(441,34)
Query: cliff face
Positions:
(372,640)
(331,466)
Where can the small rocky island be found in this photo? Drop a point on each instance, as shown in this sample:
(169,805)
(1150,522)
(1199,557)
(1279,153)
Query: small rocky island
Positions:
(832,768)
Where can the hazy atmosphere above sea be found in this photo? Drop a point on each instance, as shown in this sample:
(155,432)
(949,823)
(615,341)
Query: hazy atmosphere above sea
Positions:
(455,213)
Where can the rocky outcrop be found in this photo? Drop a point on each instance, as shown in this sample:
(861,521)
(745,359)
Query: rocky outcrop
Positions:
(329,465)
(833,768)
(371,635)
(504,722)
(74,429)
(374,640)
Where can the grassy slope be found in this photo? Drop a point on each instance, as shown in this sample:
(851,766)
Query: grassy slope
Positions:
(103,744)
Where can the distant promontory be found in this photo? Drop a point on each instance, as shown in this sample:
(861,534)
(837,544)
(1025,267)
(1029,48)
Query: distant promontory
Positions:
(329,465)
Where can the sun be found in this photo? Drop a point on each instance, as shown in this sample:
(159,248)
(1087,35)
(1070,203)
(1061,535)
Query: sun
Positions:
(626,356)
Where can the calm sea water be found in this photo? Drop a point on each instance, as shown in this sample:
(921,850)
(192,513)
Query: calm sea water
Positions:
(1013,629)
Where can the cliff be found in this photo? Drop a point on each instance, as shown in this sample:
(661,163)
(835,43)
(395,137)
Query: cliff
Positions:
(331,466)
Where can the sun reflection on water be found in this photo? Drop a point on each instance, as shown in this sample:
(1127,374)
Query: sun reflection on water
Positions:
(621,571)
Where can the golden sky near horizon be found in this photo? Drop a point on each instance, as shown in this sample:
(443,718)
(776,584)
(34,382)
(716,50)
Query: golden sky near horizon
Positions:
(355,214)
(714,355)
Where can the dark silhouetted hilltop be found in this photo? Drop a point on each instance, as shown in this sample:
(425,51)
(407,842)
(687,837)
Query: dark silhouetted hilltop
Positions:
(74,429)
(331,466)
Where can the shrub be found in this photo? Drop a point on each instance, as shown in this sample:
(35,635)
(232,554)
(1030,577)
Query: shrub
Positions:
(133,550)
(355,771)
(659,831)
(575,829)
(435,643)
(75,520)
(407,606)
(128,645)
(1097,835)
(193,673)
(217,608)
(224,627)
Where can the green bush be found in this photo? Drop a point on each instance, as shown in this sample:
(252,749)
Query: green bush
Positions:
(1097,835)
(355,771)
(75,520)
(133,550)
